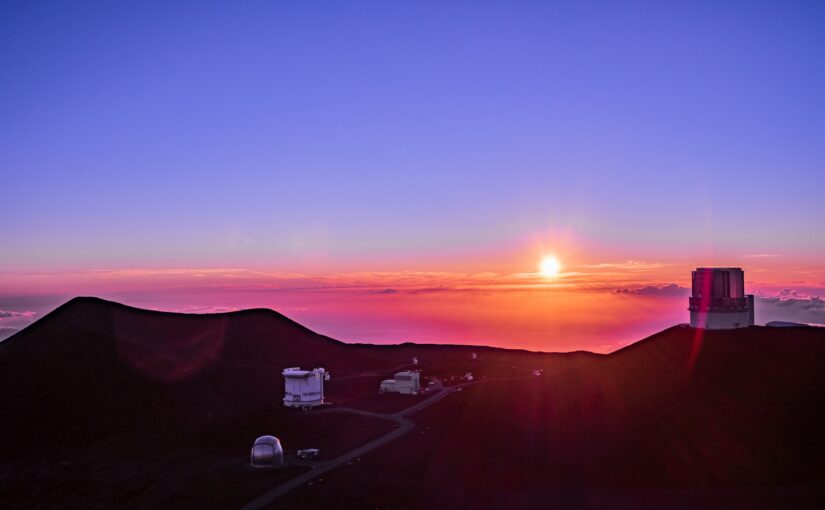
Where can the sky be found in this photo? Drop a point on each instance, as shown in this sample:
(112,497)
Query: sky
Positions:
(386,171)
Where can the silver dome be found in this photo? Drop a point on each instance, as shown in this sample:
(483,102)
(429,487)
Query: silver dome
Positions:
(267,453)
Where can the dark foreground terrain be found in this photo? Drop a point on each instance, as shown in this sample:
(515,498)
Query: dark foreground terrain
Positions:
(107,406)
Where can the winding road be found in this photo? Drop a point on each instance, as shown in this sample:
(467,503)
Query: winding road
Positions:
(404,426)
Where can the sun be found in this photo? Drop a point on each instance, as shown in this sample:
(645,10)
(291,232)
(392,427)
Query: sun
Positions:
(550,266)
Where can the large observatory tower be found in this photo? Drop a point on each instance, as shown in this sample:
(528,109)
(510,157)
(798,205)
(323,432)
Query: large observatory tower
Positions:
(718,299)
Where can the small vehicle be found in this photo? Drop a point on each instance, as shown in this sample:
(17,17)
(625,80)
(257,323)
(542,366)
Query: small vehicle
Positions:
(308,453)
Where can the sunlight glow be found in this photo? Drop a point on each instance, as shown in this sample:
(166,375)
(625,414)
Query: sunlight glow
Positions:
(550,266)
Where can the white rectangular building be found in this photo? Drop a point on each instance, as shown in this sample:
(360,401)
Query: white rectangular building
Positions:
(406,383)
(304,388)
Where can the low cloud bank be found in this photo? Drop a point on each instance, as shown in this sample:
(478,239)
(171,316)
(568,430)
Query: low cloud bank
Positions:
(13,320)
(206,309)
(384,291)
(652,290)
(789,305)
(11,314)
(7,332)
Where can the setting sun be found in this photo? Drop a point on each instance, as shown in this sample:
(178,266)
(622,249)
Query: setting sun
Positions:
(550,266)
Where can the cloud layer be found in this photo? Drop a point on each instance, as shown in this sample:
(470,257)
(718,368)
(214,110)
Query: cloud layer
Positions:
(652,290)
(11,314)
(789,306)
(7,332)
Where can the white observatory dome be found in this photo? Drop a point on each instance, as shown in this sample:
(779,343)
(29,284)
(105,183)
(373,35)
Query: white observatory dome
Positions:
(267,453)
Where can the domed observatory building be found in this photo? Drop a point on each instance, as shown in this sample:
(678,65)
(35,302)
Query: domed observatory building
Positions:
(267,453)
(718,299)
(304,388)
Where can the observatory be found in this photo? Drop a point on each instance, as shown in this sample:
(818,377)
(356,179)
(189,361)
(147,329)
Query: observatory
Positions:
(718,299)
(304,388)
(267,453)
(406,383)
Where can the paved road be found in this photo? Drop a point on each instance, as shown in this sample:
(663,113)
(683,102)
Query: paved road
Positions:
(404,425)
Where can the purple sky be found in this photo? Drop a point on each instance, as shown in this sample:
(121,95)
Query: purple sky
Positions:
(331,138)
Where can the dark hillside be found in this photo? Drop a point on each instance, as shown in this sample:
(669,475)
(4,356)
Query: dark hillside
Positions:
(737,424)
(93,367)
(163,406)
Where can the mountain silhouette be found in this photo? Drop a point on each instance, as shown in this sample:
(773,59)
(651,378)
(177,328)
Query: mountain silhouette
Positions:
(684,410)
